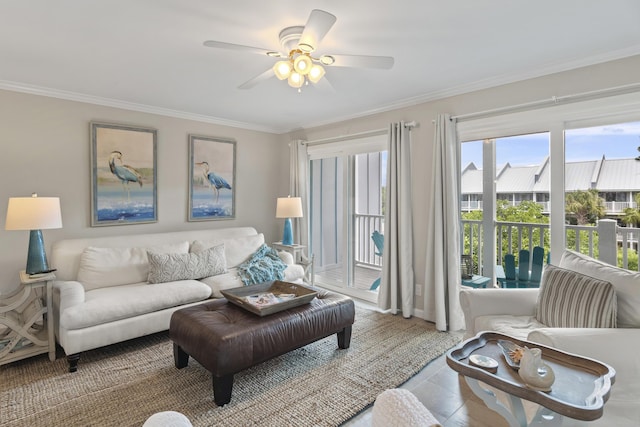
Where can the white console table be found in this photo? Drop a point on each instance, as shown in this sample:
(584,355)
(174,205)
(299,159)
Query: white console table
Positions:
(26,328)
(298,257)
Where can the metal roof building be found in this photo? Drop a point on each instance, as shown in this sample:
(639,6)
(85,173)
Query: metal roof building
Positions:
(617,180)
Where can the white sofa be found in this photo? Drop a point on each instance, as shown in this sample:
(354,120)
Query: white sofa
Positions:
(101,295)
(513,312)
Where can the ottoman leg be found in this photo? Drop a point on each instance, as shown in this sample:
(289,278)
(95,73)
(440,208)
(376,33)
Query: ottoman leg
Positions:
(344,337)
(180,357)
(222,387)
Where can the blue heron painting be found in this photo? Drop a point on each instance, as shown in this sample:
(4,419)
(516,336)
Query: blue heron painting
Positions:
(215,181)
(125,173)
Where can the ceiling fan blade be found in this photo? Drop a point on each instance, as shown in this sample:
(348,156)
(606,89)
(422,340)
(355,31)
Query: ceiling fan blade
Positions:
(324,85)
(317,26)
(363,61)
(241,48)
(257,79)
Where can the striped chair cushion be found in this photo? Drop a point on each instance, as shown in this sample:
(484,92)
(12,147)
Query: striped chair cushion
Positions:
(568,299)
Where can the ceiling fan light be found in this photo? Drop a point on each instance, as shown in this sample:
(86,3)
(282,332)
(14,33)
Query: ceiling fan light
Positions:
(302,64)
(327,59)
(282,69)
(296,80)
(316,73)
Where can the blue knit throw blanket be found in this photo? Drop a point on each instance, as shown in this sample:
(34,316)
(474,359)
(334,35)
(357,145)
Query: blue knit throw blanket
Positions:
(264,266)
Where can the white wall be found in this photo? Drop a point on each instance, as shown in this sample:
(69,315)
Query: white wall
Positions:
(44,148)
(612,74)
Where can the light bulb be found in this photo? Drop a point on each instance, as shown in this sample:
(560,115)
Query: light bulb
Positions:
(316,73)
(302,64)
(296,80)
(282,69)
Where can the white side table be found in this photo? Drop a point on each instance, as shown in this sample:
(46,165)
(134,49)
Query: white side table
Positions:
(26,326)
(297,251)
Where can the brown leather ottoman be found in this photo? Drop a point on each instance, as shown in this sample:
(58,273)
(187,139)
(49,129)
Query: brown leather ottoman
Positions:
(226,339)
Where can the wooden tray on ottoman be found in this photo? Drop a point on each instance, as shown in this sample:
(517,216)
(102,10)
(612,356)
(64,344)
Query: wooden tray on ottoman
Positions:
(238,296)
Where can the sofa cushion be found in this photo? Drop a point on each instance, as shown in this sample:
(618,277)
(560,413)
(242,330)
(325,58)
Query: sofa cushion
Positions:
(625,282)
(515,326)
(569,299)
(222,282)
(181,266)
(109,304)
(101,267)
(237,250)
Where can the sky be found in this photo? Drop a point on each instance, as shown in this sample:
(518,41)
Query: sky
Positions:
(613,141)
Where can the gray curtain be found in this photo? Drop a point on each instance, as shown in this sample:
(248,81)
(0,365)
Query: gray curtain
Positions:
(397,284)
(442,275)
(299,187)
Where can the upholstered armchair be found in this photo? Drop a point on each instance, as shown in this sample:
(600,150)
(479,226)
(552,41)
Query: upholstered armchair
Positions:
(542,316)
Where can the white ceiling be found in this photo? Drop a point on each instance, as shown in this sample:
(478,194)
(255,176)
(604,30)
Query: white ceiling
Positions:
(148,55)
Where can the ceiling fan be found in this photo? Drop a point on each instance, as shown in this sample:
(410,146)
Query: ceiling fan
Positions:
(298,64)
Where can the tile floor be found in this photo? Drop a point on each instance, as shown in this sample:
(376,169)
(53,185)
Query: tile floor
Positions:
(448,397)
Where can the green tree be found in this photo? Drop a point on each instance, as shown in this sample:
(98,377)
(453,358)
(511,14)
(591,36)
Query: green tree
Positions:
(631,215)
(584,206)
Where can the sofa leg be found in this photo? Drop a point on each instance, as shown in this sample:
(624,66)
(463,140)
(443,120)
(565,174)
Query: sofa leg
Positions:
(222,387)
(180,357)
(344,337)
(73,360)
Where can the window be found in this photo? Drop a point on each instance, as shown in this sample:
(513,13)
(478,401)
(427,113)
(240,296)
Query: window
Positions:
(562,120)
(515,189)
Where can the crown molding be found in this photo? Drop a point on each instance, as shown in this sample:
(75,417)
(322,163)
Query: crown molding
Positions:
(115,103)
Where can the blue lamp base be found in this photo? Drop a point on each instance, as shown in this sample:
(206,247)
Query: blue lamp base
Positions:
(287,236)
(36,257)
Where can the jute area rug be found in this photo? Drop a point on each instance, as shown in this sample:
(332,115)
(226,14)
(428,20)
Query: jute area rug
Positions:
(317,385)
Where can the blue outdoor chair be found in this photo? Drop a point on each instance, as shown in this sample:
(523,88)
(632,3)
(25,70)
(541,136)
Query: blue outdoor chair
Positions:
(378,240)
(521,277)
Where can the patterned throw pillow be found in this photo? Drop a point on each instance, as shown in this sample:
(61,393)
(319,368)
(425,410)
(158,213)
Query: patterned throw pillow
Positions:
(568,299)
(172,267)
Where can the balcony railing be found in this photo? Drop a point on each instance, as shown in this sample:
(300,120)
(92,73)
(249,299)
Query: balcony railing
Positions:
(514,236)
(364,248)
(610,207)
(618,207)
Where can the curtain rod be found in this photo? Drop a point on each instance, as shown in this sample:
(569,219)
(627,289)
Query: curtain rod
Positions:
(554,100)
(364,134)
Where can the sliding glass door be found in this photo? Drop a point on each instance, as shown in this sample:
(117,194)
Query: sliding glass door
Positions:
(346,208)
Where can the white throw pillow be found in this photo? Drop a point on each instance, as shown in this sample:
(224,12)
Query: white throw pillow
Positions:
(102,267)
(625,282)
(172,267)
(237,250)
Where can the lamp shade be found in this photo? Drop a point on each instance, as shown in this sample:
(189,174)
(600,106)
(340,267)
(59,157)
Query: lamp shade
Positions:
(316,73)
(33,213)
(282,69)
(289,207)
(302,64)
(296,80)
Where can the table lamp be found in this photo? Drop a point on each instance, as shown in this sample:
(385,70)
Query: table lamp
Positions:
(287,208)
(34,213)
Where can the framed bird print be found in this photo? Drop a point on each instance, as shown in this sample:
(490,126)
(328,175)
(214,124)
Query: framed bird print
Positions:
(123,175)
(212,178)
